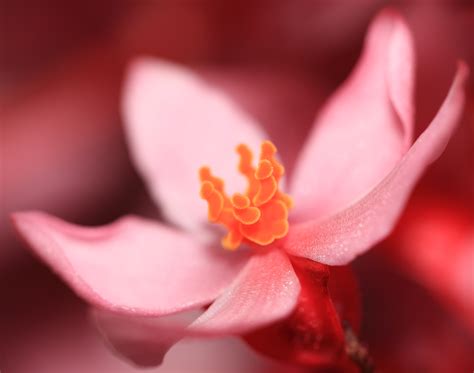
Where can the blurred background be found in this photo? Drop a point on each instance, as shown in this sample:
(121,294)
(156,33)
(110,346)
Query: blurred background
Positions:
(62,65)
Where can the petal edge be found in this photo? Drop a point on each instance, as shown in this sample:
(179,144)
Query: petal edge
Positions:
(133,265)
(266,290)
(340,238)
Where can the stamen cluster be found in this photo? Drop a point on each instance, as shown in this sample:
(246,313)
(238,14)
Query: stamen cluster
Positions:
(261,214)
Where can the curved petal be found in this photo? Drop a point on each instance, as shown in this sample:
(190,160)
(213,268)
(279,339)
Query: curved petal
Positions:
(176,123)
(265,291)
(342,237)
(143,340)
(364,129)
(133,265)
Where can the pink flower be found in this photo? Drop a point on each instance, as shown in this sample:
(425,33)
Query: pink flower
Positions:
(349,185)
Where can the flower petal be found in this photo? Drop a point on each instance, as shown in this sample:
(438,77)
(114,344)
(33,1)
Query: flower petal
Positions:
(265,291)
(342,237)
(364,129)
(176,124)
(143,340)
(133,265)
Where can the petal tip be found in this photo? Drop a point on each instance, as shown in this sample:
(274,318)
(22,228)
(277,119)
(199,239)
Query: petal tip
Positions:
(17,216)
(463,70)
(143,65)
(24,224)
(140,75)
(389,12)
(392,18)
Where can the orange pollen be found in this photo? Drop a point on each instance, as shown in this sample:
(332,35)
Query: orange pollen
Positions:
(259,216)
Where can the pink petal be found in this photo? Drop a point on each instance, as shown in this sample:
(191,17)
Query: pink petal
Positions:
(133,265)
(339,239)
(143,340)
(265,291)
(176,123)
(364,129)
(146,341)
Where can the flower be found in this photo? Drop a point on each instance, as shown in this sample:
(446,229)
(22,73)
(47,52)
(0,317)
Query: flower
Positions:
(349,185)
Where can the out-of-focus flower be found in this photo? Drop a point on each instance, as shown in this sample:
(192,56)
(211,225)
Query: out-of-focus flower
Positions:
(346,199)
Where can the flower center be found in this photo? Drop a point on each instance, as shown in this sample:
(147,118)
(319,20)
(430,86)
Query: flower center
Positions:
(261,214)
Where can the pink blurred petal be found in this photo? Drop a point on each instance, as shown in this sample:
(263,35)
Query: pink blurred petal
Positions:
(143,340)
(364,129)
(265,291)
(351,232)
(61,340)
(176,123)
(133,265)
(146,341)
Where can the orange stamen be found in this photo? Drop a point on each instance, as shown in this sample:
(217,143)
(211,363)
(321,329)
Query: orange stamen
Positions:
(266,191)
(239,201)
(214,199)
(259,216)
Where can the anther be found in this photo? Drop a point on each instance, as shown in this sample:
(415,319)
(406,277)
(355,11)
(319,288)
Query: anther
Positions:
(214,200)
(266,191)
(206,175)
(239,201)
(264,170)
